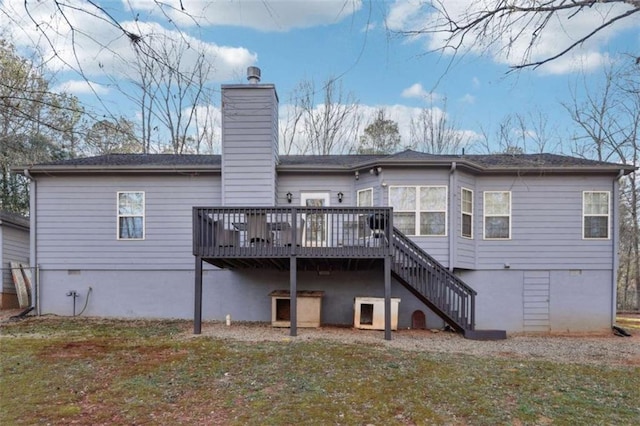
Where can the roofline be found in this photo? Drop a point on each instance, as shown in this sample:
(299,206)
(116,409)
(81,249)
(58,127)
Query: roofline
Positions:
(45,169)
(320,168)
(461,163)
(15,222)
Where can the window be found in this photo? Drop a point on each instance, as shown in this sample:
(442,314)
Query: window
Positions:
(467,213)
(365,197)
(419,210)
(130,215)
(595,214)
(497,215)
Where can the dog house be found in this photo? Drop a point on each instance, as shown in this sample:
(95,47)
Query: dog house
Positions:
(309,305)
(369,313)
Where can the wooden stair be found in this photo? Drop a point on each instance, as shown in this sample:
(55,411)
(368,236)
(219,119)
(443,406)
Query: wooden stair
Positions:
(439,289)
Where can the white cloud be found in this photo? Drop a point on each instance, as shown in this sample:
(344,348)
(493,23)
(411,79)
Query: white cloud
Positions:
(261,15)
(475,82)
(512,41)
(369,27)
(576,62)
(80,87)
(468,99)
(406,15)
(417,91)
(96,47)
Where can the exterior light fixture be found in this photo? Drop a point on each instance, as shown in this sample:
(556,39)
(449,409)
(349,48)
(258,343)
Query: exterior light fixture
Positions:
(289,197)
(340,196)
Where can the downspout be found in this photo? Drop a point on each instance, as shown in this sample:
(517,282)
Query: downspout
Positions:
(33,240)
(452,205)
(614,245)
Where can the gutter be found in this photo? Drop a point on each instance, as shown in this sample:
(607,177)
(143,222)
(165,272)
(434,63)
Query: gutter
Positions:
(33,239)
(453,182)
(614,244)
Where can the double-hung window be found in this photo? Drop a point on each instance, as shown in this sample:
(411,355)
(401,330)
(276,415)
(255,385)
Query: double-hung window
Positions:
(419,210)
(365,197)
(497,215)
(467,213)
(131,215)
(595,214)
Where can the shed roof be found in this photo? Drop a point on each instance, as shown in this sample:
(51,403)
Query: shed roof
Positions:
(14,219)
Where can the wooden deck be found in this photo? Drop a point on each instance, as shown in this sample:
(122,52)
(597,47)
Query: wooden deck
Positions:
(268,236)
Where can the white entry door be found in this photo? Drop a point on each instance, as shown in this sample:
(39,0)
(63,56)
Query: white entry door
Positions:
(316,226)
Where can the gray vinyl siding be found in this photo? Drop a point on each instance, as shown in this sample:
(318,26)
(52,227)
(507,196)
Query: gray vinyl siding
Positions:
(546,224)
(366,181)
(249,151)
(321,183)
(14,243)
(77,223)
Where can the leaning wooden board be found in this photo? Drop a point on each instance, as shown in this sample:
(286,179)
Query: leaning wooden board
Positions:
(26,273)
(21,286)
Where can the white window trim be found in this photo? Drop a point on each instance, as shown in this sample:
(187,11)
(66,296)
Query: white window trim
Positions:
(417,211)
(358,196)
(462,212)
(608,215)
(144,216)
(485,215)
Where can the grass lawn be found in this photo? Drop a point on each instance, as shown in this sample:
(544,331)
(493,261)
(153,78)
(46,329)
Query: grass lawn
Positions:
(79,371)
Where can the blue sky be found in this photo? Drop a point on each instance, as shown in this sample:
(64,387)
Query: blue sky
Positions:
(293,41)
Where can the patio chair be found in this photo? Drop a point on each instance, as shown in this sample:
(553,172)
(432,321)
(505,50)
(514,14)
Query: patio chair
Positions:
(258,230)
(223,237)
(286,235)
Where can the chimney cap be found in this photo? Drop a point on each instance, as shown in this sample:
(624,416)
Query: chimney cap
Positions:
(253,75)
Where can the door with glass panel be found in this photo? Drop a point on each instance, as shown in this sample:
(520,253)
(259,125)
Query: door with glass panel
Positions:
(317,226)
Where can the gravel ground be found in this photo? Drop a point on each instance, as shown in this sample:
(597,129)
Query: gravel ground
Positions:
(610,349)
(603,350)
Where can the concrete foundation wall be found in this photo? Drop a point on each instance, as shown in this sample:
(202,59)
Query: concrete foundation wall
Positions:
(242,294)
(567,301)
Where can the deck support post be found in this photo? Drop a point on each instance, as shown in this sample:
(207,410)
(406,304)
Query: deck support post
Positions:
(387,297)
(197,311)
(293,296)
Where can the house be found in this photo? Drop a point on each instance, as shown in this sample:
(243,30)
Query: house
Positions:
(515,243)
(14,247)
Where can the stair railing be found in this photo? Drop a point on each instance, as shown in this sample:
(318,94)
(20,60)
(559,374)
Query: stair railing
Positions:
(449,295)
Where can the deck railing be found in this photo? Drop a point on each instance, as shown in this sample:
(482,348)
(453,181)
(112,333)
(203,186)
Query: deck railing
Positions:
(285,231)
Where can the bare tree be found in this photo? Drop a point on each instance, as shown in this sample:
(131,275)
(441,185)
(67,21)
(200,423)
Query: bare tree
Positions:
(434,132)
(329,127)
(171,76)
(291,131)
(608,123)
(207,128)
(509,25)
(518,134)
